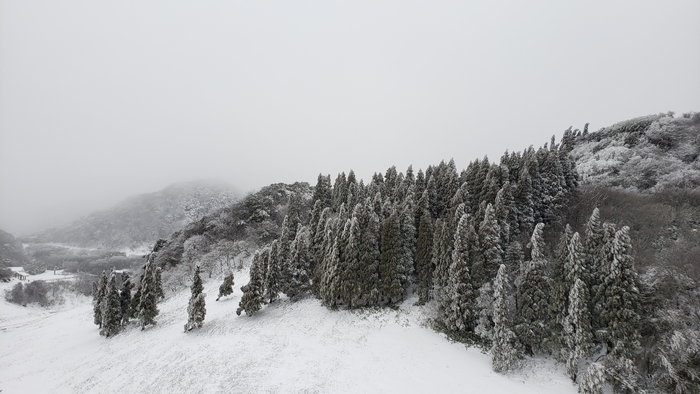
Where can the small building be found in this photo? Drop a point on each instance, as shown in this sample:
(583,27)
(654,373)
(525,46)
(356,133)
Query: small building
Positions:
(18,272)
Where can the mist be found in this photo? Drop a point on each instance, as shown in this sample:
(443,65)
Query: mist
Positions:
(103,100)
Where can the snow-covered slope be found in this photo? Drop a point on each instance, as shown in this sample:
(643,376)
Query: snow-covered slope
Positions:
(286,348)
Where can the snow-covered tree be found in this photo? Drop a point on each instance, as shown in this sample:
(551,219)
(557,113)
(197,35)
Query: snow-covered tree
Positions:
(459,313)
(252,299)
(484,307)
(125,297)
(592,244)
(226,288)
(622,304)
(273,283)
(491,249)
(504,349)
(391,268)
(575,266)
(300,263)
(533,308)
(593,381)
(559,293)
(578,327)
(98,296)
(424,252)
(147,309)
(158,283)
(196,309)
(442,258)
(111,309)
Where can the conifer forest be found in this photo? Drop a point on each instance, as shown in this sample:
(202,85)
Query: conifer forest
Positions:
(522,257)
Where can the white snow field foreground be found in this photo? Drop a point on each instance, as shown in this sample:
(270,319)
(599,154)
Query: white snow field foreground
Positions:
(288,347)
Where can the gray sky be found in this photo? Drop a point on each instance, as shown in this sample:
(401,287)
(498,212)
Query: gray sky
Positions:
(100,100)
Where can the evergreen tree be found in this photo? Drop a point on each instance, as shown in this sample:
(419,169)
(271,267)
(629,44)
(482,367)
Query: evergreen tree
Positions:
(532,307)
(98,298)
(322,191)
(593,382)
(158,283)
(125,297)
(484,308)
(605,258)
(273,283)
(252,299)
(147,309)
(136,299)
(490,242)
(424,256)
(459,314)
(622,298)
(196,309)
(340,191)
(578,327)
(575,266)
(592,244)
(559,292)
(441,261)
(370,256)
(226,288)
(299,283)
(504,348)
(391,268)
(506,214)
(111,309)
(408,236)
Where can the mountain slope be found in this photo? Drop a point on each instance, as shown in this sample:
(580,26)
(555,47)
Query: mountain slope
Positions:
(11,251)
(287,348)
(141,220)
(647,154)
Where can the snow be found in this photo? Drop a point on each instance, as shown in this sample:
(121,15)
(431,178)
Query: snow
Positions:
(286,348)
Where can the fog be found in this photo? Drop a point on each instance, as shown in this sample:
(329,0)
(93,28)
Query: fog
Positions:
(100,100)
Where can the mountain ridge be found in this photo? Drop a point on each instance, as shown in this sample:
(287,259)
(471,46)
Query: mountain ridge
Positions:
(142,219)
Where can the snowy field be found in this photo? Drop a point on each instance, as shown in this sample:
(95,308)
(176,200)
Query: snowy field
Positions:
(286,348)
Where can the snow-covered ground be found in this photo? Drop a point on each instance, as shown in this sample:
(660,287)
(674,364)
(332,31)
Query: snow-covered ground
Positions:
(286,348)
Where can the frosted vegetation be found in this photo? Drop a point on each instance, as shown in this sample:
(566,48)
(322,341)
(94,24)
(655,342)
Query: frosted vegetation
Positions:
(549,254)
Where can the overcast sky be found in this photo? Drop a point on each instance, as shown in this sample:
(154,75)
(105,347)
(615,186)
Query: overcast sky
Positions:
(100,100)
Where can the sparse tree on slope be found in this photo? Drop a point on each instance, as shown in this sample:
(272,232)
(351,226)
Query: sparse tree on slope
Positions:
(125,297)
(111,309)
(226,288)
(148,310)
(504,349)
(98,297)
(196,309)
(252,299)
(158,282)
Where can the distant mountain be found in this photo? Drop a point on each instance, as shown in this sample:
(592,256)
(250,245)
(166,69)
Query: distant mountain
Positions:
(11,251)
(646,154)
(140,220)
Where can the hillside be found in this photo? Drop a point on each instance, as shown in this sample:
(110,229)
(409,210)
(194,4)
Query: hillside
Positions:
(646,154)
(11,251)
(289,348)
(141,220)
